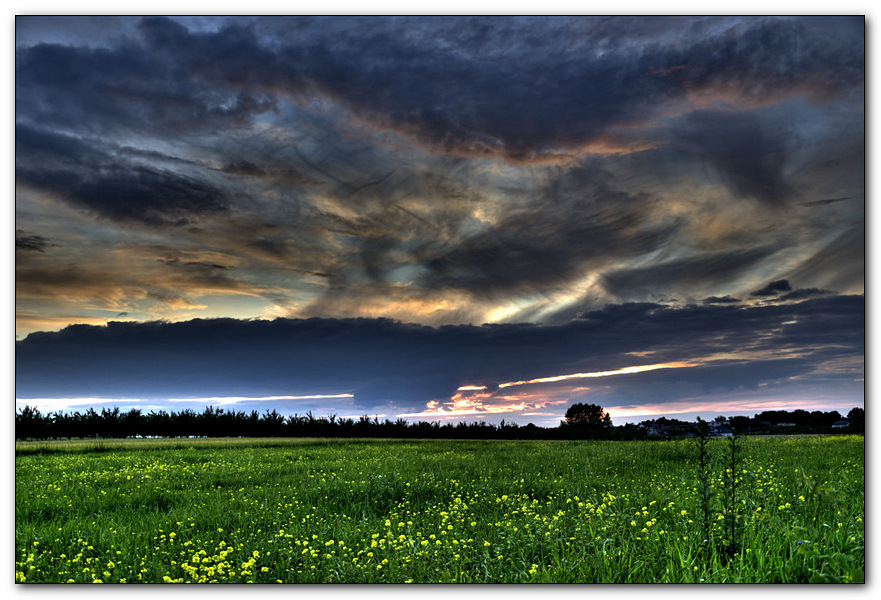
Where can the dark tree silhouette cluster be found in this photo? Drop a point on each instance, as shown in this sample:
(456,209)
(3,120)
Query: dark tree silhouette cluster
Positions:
(589,419)
(30,423)
(582,421)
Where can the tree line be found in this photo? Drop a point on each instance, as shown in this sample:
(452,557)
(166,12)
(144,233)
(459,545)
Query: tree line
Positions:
(30,423)
(582,421)
(773,421)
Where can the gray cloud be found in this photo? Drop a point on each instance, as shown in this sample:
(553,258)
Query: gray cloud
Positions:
(93,179)
(31,241)
(707,269)
(721,300)
(838,264)
(382,361)
(579,221)
(739,146)
(438,79)
(123,89)
(803,294)
(773,288)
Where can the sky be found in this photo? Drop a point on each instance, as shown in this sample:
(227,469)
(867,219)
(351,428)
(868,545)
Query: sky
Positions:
(441,218)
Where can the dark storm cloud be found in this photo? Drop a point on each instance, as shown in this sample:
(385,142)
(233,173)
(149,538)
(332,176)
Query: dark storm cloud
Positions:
(825,323)
(326,166)
(804,294)
(707,329)
(471,86)
(383,361)
(748,156)
(764,58)
(773,288)
(84,30)
(451,98)
(123,88)
(233,57)
(31,241)
(91,178)
(721,300)
(620,313)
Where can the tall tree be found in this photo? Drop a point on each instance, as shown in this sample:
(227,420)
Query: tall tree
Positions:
(590,418)
(857,418)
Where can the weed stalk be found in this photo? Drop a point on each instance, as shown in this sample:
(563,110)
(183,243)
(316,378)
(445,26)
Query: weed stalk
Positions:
(705,492)
(730,496)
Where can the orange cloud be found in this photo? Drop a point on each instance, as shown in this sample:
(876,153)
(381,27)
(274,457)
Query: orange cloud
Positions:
(473,400)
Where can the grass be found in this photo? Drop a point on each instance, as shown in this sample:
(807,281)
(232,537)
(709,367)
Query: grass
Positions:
(291,510)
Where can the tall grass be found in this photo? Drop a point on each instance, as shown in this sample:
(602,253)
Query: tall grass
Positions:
(441,511)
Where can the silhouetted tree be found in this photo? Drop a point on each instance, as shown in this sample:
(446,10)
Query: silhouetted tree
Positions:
(29,423)
(132,423)
(823,420)
(588,418)
(857,418)
(741,424)
(799,416)
(272,423)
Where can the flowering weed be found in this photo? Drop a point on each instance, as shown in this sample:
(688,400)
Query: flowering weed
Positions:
(287,511)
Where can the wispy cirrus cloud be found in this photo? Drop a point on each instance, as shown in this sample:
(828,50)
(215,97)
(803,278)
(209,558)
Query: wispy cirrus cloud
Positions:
(548,175)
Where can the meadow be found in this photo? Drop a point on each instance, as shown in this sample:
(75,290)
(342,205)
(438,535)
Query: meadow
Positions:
(421,511)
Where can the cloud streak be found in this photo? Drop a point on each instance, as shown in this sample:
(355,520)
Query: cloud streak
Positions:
(621,371)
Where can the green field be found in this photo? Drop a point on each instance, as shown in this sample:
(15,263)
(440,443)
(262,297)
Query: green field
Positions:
(295,510)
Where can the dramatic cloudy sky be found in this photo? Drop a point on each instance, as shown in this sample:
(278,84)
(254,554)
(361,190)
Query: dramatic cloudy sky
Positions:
(441,217)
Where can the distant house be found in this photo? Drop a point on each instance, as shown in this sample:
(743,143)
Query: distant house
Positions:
(670,429)
(720,431)
(785,424)
(678,428)
(656,430)
(841,424)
